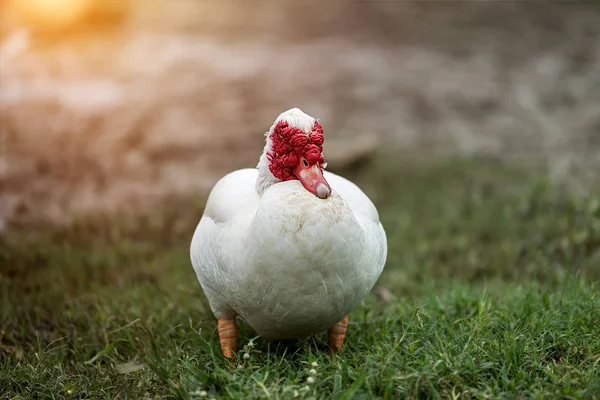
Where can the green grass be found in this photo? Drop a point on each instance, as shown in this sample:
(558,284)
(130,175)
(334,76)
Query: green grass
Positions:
(490,291)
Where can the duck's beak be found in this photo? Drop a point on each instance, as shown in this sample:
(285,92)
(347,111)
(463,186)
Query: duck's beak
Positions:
(312,178)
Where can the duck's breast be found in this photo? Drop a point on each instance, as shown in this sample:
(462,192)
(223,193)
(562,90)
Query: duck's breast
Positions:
(305,263)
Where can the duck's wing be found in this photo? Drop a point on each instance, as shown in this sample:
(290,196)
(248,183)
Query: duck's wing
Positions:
(366,214)
(358,201)
(234,196)
(229,209)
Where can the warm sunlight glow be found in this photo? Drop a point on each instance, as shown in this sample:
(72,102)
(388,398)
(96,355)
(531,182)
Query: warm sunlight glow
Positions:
(53,13)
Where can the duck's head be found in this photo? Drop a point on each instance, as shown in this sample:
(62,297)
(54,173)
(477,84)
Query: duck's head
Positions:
(294,151)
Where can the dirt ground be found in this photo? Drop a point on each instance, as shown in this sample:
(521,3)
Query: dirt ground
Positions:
(137,104)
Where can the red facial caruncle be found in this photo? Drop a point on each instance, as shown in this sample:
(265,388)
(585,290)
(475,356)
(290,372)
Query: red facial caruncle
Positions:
(297,155)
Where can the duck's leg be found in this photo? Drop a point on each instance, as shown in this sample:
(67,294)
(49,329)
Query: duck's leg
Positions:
(337,334)
(228,335)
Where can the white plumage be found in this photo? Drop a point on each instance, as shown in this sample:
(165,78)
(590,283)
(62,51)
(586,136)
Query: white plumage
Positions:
(289,263)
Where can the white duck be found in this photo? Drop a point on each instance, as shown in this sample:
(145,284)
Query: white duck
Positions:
(289,248)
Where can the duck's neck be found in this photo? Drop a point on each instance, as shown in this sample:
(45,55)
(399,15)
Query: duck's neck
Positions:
(265,178)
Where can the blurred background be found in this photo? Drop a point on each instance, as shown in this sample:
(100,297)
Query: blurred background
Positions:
(116,104)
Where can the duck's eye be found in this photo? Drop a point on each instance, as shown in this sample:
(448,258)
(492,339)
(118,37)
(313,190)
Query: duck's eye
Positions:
(305,163)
